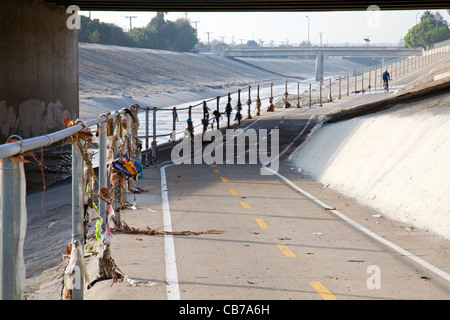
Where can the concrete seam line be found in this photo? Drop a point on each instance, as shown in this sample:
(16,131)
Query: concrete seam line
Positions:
(355,224)
(173,290)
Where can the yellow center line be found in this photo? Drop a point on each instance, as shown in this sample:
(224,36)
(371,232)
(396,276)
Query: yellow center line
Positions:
(320,288)
(288,253)
(216,171)
(245,205)
(213,165)
(224,179)
(261,223)
(232,191)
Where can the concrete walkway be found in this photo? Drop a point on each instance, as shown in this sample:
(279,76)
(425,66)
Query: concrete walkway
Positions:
(260,237)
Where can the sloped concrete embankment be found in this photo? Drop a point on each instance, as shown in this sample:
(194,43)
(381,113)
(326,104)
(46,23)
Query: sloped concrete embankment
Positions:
(395,161)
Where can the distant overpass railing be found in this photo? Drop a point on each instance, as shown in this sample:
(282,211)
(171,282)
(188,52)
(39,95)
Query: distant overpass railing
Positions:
(101,195)
(369,51)
(369,80)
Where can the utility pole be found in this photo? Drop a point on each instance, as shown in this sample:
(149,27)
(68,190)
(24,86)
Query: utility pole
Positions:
(130,17)
(320,33)
(195,25)
(209,44)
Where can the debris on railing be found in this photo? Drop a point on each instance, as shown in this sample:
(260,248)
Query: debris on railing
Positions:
(75,269)
(286,100)
(228,110)
(238,116)
(249,102)
(271,107)
(258,103)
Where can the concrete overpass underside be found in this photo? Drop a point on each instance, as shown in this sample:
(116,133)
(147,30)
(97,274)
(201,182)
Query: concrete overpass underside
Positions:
(252,5)
(39,53)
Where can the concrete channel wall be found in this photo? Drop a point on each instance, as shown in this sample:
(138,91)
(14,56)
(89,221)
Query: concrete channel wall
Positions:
(395,161)
(38,68)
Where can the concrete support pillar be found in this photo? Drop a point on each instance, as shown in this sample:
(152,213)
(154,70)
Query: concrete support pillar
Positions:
(319,66)
(38,68)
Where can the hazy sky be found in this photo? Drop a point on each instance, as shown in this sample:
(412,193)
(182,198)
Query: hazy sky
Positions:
(337,27)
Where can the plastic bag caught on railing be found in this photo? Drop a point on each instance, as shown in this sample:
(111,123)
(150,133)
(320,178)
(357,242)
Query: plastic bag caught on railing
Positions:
(74,271)
(125,166)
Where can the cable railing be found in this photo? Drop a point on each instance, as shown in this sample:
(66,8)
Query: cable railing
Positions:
(98,198)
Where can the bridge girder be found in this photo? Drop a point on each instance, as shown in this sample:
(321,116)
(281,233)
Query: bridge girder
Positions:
(251,5)
(326,51)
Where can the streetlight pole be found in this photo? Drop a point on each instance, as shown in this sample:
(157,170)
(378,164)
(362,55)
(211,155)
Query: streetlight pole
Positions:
(308,28)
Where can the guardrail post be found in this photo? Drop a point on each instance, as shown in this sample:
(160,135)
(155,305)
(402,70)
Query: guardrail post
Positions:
(271,106)
(286,96)
(103,168)
(249,102)
(394,69)
(154,137)
(258,102)
(217,116)
(117,195)
(147,133)
(78,212)
(174,125)
(375,79)
(13,224)
(310,100)
(348,85)
(320,92)
(330,90)
(362,82)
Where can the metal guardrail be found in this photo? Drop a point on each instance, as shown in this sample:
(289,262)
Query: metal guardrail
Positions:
(12,200)
(12,176)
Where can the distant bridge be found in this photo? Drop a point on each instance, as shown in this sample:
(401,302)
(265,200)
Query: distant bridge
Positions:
(320,52)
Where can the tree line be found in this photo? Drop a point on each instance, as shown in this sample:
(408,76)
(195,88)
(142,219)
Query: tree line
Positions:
(180,36)
(159,34)
(431,29)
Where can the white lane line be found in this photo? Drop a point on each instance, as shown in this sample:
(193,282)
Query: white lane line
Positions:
(355,224)
(173,290)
